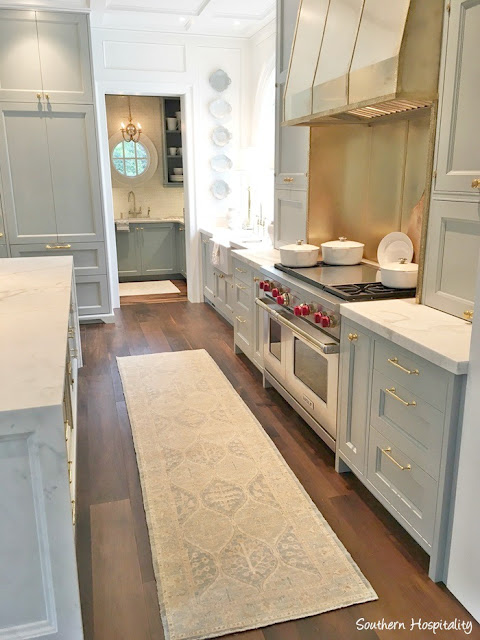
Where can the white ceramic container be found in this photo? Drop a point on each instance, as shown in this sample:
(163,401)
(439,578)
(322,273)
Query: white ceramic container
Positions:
(399,275)
(178,171)
(342,252)
(172,124)
(299,255)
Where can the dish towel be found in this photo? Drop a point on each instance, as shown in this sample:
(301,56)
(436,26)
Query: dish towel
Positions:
(122,225)
(215,253)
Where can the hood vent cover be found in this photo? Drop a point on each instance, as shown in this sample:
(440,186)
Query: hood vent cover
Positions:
(362,59)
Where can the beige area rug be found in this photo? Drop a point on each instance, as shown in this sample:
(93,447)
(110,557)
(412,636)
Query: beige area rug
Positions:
(236,542)
(151,288)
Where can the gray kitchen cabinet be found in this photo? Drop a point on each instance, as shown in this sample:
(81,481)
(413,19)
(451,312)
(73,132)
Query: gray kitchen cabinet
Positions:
(224,299)
(181,250)
(53,152)
(92,295)
(44,57)
(290,216)
(356,354)
(398,432)
(148,249)
(89,258)
(248,317)
(207,269)
(3,251)
(286,22)
(291,151)
(458,159)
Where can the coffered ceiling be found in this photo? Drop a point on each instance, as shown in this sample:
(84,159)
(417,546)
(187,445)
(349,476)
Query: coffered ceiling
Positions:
(240,18)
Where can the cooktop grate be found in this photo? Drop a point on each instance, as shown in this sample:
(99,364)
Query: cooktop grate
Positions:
(368,291)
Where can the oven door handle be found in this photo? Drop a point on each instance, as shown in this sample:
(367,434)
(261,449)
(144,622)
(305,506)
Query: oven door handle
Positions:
(326,347)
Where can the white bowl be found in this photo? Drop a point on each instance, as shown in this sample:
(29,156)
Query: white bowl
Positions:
(178,171)
(342,252)
(299,255)
(399,275)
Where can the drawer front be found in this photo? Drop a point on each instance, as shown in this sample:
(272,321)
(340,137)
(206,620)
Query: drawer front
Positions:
(292,180)
(92,295)
(417,427)
(412,372)
(410,491)
(242,272)
(88,257)
(243,332)
(243,298)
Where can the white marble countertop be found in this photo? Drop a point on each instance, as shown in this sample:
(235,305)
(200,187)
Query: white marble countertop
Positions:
(34,313)
(150,219)
(260,256)
(436,336)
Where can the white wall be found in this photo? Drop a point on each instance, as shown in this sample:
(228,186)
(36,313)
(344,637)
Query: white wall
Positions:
(464,566)
(151,63)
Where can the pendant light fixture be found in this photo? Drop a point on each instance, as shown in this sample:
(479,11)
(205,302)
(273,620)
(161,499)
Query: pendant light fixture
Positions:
(131,133)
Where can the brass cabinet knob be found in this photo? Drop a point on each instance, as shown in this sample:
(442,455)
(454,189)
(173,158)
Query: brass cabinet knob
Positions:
(468,314)
(352,337)
(288,179)
(39,96)
(1,234)
(256,279)
(476,183)
(47,96)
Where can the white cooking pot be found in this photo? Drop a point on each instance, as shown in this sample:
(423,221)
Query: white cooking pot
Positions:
(299,255)
(342,252)
(399,275)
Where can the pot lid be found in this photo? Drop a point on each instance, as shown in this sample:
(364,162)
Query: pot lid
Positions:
(342,243)
(402,266)
(300,246)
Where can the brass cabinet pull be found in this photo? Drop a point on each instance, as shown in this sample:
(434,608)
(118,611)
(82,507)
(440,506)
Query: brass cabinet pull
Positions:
(288,179)
(468,315)
(74,513)
(58,246)
(47,96)
(387,451)
(410,372)
(71,332)
(352,337)
(220,275)
(256,279)
(240,270)
(205,241)
(1,234)
(39,96)
(392,392)
(476,183)
(240,319)
(67,427)
(181,229)
(69,471)
(241,286)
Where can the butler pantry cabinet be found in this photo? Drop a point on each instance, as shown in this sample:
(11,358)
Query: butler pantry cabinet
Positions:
(49,169)
(453,240)
(291,143)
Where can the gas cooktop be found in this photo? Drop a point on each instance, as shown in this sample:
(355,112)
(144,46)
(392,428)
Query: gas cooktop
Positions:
(351,283)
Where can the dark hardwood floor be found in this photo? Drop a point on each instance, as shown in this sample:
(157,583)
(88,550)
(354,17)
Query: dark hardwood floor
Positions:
(117,583)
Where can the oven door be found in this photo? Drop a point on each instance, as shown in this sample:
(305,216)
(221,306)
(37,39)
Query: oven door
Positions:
(312,379)
(274,343)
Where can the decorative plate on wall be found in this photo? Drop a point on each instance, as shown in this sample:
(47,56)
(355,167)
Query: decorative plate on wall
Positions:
(219,80)
(220,108)
(221,163)
(221,136)
(220,189)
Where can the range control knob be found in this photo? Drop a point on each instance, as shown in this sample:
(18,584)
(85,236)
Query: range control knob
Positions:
(305,308)
(266,286)
(275,292)
(280,299)
(261,284)
(317,317)
(326,321)
(298,311)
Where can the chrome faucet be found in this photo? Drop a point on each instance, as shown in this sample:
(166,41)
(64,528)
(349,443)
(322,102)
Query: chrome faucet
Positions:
(134,213)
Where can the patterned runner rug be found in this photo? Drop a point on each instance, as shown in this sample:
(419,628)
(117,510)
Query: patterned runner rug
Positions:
(236,542)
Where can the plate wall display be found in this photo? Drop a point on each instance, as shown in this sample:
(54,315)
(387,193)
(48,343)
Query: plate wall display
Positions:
(219,80)
(221,136)
(220,189)
(393,247)
(221,163)
(220,108)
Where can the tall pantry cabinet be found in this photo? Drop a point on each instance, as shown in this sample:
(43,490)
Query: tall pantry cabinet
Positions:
(291,143)
(453,239)
(49,171)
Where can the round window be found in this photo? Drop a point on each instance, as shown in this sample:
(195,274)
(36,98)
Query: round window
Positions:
(130,159)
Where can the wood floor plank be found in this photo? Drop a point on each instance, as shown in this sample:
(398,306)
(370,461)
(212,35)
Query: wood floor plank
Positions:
(389,558)
(119,610)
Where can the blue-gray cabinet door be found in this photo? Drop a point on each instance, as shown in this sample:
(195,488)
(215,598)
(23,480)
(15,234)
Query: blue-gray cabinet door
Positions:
(181,257)
(158,248)
(28,199)
(128,252)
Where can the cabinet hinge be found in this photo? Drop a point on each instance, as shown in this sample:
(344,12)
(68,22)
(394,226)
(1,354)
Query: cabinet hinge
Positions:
(434,176)
(448,7)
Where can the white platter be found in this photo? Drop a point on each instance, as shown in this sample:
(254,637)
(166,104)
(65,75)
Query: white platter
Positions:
(221,163)
(221,136)
(219,80)
(220,189)
(220,108)
(393,247)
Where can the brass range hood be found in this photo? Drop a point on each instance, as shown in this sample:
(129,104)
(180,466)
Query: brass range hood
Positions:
(359,60)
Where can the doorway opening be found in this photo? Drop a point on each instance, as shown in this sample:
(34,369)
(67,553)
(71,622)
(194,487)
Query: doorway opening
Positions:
(146,163)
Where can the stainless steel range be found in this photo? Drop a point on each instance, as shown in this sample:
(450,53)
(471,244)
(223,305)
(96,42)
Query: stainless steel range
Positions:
(302,325)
